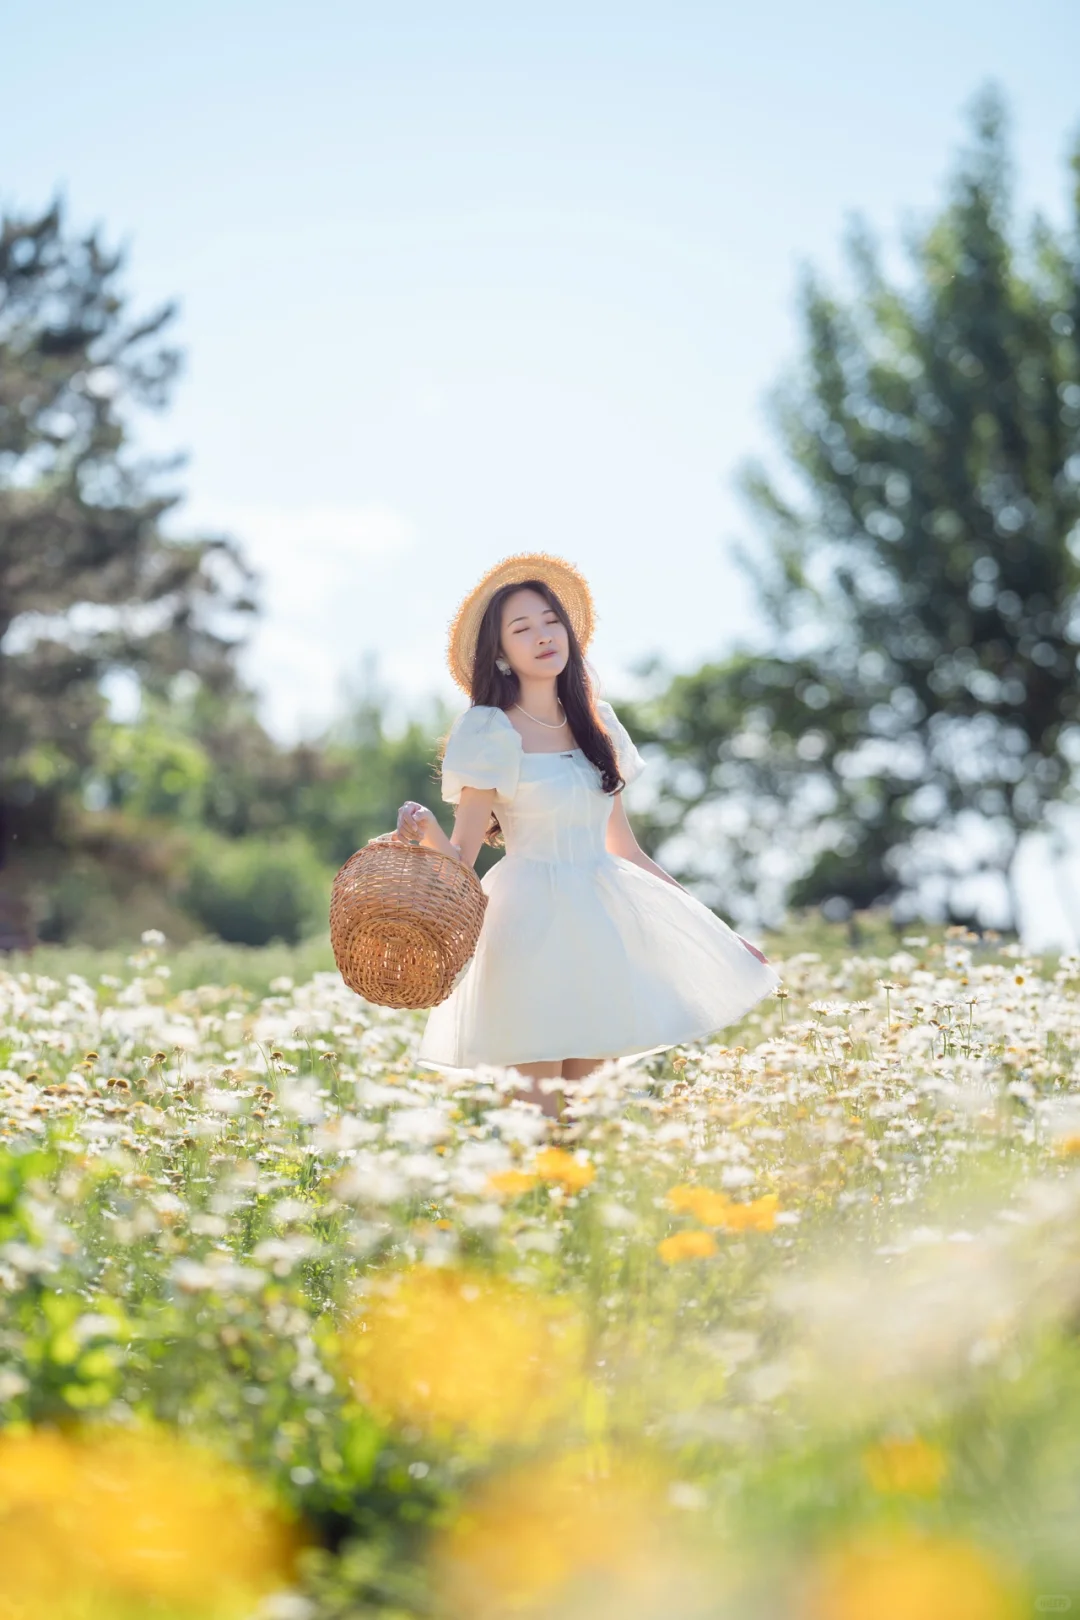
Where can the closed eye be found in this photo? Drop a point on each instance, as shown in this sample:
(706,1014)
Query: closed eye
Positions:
(521,627)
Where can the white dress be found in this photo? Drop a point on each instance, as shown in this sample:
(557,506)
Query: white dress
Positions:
(582,954)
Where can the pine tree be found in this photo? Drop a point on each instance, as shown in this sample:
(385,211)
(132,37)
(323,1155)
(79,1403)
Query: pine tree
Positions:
(918,709)
(89,583)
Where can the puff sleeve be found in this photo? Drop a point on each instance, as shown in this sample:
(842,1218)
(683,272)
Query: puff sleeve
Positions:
(630,761)
(483,751)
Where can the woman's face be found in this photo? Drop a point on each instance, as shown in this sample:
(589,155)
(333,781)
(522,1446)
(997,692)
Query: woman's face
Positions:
(533,637)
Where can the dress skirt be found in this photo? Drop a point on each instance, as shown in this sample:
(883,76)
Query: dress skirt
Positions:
(591,960)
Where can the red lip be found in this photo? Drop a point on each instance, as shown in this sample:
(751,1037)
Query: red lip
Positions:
(550,654)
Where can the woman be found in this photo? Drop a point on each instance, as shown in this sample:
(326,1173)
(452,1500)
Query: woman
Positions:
(589,950)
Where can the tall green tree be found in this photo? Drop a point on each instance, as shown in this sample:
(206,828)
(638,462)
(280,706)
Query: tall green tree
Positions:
(89,582)
(916,709)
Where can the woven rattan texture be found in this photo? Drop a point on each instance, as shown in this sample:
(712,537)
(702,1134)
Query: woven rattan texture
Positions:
(404,921)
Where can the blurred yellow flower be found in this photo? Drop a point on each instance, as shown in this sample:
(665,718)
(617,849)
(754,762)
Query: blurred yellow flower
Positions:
(448,1349)
(555,1164)
(686,1246)
(709,1207)
(717,1209)
(759,1215)
(95,1523)
(562,1538)
(900,1465)
(511,1183)
(908,1575)
(1068,1145)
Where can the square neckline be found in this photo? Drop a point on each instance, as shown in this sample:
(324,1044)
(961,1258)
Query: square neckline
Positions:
(535,753)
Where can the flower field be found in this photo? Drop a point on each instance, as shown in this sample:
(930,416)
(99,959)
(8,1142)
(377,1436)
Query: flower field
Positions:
(783,1325)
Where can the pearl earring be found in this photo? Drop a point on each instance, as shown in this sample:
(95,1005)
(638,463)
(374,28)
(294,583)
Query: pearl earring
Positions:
(501,664)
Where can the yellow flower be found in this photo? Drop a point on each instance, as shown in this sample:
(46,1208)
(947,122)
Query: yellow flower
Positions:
(448,1350)
(900,1465)
(717,1209)
(686,1246)
(1068,1145)
(92,1525)
(562,1537)
(511,1183)
(555,1164)
(709,1207)
(906,1574)
(757,1216)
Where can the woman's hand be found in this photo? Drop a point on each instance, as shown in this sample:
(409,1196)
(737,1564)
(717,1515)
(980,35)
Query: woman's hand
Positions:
(416,824)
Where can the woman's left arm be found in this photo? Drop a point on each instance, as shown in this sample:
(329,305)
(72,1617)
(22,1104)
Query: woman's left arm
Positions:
(621,841)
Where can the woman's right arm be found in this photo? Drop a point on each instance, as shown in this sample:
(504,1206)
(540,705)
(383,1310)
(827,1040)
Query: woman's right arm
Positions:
(471,821)
(416,823)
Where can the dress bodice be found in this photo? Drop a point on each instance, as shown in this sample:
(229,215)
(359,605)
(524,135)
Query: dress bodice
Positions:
(559,812)
(551,807)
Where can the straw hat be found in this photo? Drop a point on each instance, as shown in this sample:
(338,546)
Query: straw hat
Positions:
(563,578)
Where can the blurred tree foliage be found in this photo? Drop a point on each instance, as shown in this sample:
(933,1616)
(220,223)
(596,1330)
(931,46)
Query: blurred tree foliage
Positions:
(89,584)
(267,824)
(189,817)
(918,707)
(254,890)
(212,765)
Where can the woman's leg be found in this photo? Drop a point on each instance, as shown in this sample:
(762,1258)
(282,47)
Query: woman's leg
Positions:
(575,1069)
(550,1102)
(578,1068)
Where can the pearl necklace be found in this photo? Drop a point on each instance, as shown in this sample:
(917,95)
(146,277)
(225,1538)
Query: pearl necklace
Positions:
(546,723)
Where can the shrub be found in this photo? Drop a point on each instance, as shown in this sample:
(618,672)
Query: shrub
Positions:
(251,891)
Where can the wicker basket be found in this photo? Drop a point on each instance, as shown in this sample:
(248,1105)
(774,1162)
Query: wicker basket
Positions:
(404,921)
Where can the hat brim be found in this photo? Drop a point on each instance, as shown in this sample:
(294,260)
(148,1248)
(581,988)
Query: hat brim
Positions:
(563,579)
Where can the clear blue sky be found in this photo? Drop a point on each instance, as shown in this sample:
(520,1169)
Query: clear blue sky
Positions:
(464,279)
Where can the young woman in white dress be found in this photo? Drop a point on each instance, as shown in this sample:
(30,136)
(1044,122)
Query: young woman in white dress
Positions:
(589,950)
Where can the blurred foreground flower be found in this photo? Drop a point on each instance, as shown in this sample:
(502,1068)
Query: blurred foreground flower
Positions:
(717,1209)
(511,1183)
(905,1575)
(117,1523)
(450,1349)
(759,1215)
(686,1246)
(563,1539)
(555,1164)
(905,1466)
(706,1206)
(926,1309)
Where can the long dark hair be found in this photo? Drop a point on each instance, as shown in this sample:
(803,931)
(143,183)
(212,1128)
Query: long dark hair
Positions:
(496,690)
